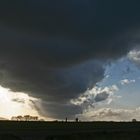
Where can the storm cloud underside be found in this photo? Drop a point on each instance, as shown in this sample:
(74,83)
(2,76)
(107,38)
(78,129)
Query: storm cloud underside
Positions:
(56,50)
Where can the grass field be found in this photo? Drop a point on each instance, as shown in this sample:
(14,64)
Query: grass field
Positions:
(70,130)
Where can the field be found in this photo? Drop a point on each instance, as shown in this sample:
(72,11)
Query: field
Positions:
(69,130)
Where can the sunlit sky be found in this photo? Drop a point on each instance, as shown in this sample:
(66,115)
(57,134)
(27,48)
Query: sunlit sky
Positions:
(16,103)
(123,103)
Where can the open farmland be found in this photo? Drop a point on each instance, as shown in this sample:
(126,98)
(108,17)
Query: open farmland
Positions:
(69,131)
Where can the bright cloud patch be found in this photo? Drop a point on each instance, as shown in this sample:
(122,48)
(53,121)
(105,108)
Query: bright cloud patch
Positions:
(134,56)
(16,103)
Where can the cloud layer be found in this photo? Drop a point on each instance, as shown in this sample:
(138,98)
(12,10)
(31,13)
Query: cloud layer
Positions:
(57,50)
(110,114)
(134,56)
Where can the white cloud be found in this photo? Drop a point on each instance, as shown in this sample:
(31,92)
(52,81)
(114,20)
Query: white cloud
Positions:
(127,81)
(110,114)
(134,56)
(96,95)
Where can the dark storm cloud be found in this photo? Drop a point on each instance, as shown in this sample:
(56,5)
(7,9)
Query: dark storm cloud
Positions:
(54,49)
(58,110)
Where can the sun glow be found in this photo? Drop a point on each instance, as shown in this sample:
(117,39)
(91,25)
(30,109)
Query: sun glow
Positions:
(16,103)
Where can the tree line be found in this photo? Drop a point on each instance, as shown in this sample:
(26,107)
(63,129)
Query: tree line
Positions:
(26,118)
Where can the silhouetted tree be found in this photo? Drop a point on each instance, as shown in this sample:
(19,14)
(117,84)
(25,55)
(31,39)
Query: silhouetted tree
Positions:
(25,118)
(134,120)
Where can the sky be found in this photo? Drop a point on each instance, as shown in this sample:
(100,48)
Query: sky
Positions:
(74,58)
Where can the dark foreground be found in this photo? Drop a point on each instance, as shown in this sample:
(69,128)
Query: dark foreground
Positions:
(69,131)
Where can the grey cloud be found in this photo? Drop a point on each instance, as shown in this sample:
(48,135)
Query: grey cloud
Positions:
(101,97)
(61,111)
(55,85)
(57,110)
(18,100)
(1,118)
